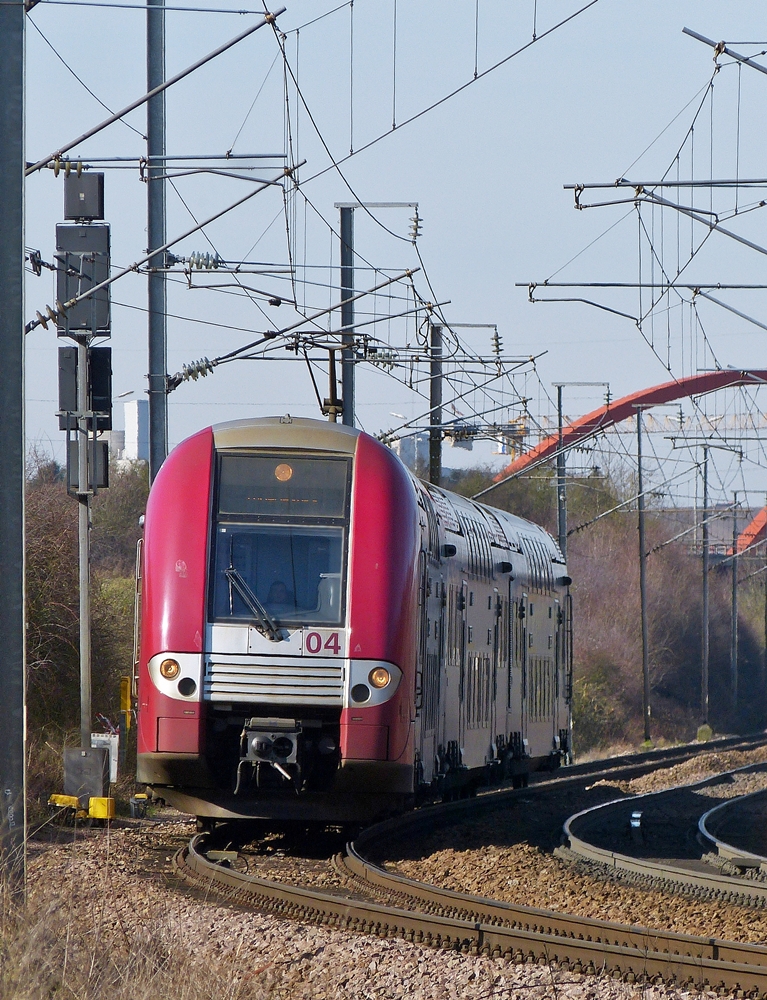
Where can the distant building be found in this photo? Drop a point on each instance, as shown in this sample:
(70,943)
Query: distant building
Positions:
(136,442)
(116,444)
(412,450)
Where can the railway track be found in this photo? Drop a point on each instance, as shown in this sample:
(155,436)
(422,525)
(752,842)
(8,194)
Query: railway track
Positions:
(661,828)
(741,821)
(366,898)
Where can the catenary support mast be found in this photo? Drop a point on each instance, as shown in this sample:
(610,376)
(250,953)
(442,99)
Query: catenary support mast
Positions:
(705,640)
(12,662)
(561,480)
(435,404)
(156,237)
(347,313)
(643,583)
(734,612)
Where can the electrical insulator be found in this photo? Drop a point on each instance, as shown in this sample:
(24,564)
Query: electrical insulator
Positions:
(415,226)
(497,344)
(383,359)
(197,369)
(203,261)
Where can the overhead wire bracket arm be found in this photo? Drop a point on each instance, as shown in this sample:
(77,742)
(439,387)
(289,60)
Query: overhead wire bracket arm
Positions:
(732,309)
(268,18)
(694,214)
(232,355)
(144,260)
(721,49)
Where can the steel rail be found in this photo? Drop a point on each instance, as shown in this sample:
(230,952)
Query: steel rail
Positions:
(704,966)
(528,918)
(441,918)
(713,882)
(730,852)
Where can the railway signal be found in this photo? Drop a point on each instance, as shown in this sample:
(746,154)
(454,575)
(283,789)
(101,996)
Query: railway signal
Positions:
(85,407)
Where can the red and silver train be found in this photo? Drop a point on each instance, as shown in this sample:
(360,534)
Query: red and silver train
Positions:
(325,638)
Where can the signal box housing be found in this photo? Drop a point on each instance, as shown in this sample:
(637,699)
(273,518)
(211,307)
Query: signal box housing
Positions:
(82,261)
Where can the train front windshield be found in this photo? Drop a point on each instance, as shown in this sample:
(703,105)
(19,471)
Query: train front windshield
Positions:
(281,537)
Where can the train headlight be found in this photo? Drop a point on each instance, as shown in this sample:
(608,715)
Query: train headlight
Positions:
(379,677)
(169,669)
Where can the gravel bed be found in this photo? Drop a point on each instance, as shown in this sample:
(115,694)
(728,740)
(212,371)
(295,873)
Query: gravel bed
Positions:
(116,887)
(689,771)
(488,856)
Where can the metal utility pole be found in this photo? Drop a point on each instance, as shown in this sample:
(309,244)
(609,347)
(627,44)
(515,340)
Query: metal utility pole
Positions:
(764,658)
(435,404)
(84,539)
(643,583)
(347,291)
(734,617)
(347,313)
(561,480)
(705,650)
(156,237)
(12,662)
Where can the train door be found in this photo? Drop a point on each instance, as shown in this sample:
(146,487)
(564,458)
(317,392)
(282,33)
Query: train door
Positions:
(516,664)
(557,631)
(429,668)
(500,659)
(525,636)
(540,707)
(463,641)
(478,692)
(455,651)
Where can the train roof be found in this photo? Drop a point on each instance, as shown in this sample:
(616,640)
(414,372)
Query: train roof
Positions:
(286,431)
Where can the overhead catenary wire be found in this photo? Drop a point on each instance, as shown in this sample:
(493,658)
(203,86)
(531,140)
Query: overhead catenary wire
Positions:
(79,79)
(166,246)
(268,18)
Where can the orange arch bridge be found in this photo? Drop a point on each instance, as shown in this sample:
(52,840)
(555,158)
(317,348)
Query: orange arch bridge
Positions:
(591,424)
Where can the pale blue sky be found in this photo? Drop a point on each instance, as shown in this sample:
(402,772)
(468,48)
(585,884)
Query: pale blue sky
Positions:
(486,167)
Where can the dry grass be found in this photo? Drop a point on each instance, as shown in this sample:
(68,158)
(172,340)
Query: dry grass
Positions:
(46,952)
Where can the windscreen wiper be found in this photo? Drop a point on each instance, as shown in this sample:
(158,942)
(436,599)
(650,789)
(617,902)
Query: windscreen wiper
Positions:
(266,623)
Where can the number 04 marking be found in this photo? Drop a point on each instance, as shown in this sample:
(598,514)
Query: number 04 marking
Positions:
(322,644)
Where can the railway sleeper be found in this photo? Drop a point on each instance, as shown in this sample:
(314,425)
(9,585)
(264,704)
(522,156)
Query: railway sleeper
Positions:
(473,946)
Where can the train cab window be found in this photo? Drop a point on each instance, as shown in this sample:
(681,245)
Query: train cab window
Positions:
(280,537)
(294,572)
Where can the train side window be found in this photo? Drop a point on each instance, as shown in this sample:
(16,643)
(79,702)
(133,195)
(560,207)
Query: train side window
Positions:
(471,598)
(531,609)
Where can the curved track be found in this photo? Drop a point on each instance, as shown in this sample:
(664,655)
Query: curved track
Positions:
(369,899)
(593,833)
(735,849)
